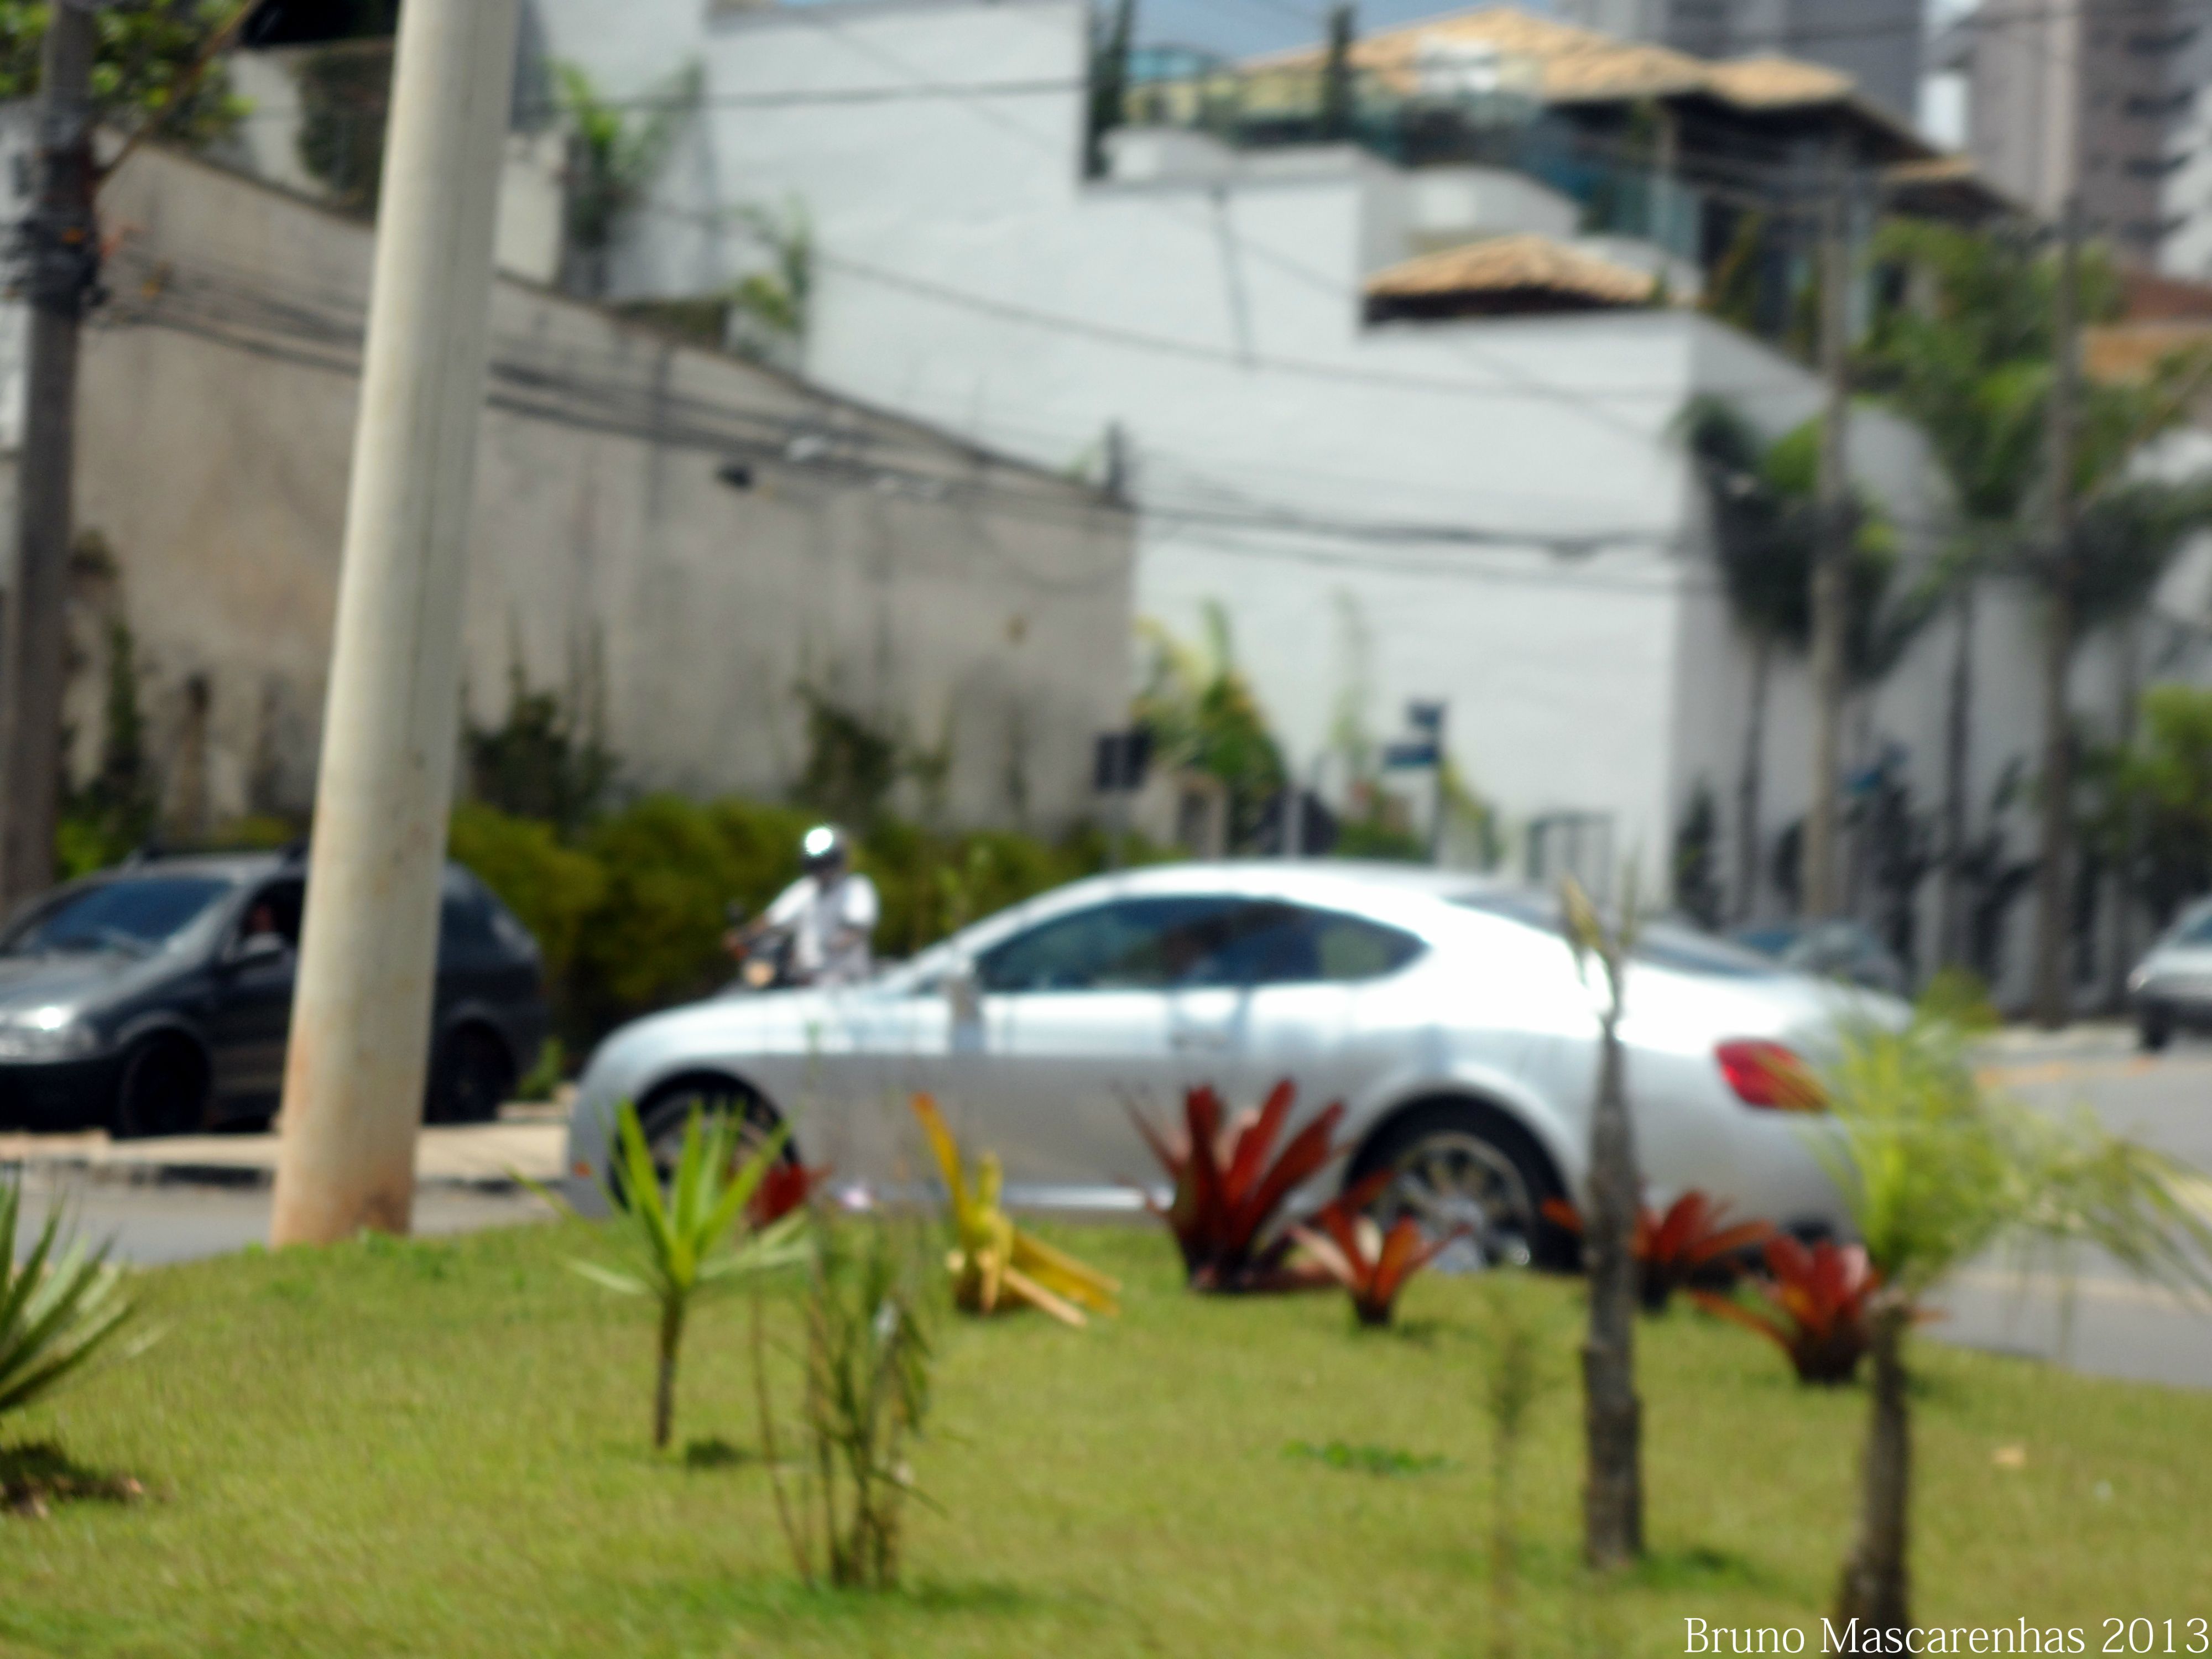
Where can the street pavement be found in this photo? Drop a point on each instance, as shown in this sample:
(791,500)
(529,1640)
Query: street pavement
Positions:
(173,1200)
(187,1196)
(2090,1316)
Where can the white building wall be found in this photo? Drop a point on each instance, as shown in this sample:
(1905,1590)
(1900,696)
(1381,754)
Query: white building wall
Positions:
(1283,453)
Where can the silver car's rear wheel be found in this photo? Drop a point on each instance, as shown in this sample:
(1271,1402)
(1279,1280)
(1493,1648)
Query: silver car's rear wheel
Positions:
(1466,1174)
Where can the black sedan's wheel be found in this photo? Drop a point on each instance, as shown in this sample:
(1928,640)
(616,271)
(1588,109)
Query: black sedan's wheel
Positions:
(472,1079)
(1468,1172)
(162,1088)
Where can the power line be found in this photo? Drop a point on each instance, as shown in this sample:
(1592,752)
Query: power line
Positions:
(781,441)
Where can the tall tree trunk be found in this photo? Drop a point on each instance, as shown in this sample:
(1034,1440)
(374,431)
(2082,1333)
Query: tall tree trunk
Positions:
(1876,1588)
(663,1381)
(2054,874)
(1857,846)
(1751,782)
(1951,948)
(1612,1498)
(2125,900)
(2054,871)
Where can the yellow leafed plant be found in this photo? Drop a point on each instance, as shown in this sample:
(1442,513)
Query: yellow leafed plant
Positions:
(996,1264)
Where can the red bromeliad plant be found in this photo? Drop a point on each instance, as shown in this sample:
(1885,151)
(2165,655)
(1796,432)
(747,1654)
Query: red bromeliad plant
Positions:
(1354,1250)
(1227,1189)
(1819,1307)
(784,1188)
(1686,1247)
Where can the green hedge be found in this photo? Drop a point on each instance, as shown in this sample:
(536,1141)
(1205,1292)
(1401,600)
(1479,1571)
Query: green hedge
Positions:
(631,915)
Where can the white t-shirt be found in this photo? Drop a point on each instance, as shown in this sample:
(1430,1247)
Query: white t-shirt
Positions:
(830,928)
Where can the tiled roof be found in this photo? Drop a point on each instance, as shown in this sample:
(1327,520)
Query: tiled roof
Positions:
(1507,265)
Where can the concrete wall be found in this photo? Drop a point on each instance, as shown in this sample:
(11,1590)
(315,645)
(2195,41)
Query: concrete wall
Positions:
(943,595)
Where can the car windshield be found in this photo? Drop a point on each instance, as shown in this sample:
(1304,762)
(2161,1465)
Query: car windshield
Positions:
(2194,930)
(1660,945)
(137,915)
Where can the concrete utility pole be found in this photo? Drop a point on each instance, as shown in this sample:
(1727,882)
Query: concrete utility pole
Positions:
(63,267)
(1830,565)
(2054,864)
(354,1085)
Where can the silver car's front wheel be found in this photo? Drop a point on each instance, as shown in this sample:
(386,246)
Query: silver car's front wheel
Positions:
(672,1107)
(1463,1175)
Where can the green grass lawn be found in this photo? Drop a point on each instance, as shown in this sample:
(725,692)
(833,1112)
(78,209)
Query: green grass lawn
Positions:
(439,1449)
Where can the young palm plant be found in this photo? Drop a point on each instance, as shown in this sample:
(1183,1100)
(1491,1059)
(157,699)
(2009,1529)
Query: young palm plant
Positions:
(868,1358)
(1613,1492)
(58,1305)
(1936,1171)
(684,1241)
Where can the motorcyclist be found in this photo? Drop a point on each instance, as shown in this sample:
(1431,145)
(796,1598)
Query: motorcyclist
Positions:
(826,919)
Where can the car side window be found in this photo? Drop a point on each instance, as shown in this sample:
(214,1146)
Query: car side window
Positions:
(1128,945)
(275,909)
(1191,942)
(1353,948)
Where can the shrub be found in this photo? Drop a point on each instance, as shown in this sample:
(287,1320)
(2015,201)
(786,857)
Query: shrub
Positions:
(995,1263)
(1372,1265)
(867,1357)
(1686,1247)
(1818,1309)
(631,915)
(1228,1191)
(59,1305)
(552,889)
(1961,997)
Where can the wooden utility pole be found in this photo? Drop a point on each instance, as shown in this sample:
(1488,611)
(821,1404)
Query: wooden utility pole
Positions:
(1831,563)
(361,1018)
(64,268)
(2054,866)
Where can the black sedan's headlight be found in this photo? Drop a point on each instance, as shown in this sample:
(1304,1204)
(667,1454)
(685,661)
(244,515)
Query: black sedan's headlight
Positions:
(46,1035)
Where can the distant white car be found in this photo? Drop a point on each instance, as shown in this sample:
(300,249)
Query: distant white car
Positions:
(1446,1011)
(2171,987)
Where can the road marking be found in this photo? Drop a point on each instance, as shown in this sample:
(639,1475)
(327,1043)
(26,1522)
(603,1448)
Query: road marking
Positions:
(2069,1071)
(1997,1281)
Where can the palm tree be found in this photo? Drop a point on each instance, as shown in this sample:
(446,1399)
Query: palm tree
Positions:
(1766,534)
(2127,539)
(1968,354)
(1202,714)
(1936,1171)
(1965,354)
(613,161)
(1764,540)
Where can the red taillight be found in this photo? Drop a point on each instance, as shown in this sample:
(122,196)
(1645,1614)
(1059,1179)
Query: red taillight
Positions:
(1767,1074)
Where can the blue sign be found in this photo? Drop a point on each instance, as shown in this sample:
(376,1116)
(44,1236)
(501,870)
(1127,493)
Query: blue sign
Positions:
(1400,756)
(1427,717)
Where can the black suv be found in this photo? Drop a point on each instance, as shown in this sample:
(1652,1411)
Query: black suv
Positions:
(156,999)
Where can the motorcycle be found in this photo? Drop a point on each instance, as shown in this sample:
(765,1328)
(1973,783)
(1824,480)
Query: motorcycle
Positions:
(763,959)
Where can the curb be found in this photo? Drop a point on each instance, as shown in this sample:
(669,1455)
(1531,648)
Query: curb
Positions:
(237,1177)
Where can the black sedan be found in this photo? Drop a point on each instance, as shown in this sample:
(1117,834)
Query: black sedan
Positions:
(156,999)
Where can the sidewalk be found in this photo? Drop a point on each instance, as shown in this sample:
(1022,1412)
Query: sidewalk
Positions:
(528,1141)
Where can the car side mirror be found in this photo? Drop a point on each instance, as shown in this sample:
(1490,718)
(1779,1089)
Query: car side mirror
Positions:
(255,949)
(964,993)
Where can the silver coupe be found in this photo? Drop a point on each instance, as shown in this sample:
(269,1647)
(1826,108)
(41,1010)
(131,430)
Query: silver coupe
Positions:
(1447,1012)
